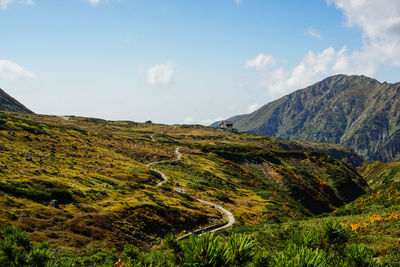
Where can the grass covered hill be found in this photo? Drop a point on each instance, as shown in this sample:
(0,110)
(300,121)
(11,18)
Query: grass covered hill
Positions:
(366,231)
(8,103)
(105,196)
(354,111)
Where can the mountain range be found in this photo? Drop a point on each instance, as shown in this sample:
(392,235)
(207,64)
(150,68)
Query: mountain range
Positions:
(355,111)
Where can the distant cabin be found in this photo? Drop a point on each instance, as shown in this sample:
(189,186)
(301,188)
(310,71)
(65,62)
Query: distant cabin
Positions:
(227,126)
(148,122)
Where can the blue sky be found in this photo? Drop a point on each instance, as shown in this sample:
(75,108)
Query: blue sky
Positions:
(180,61)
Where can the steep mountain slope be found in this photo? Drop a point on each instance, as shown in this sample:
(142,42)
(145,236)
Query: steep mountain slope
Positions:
(106,195)
(8,103)
(354,111)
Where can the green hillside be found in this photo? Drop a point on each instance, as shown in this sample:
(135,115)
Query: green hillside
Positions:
(107,196)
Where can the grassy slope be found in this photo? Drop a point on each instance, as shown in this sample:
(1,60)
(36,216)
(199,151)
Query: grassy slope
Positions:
(373,218)
(96,170)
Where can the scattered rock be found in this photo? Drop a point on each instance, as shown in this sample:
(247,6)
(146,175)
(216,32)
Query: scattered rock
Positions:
(54,203)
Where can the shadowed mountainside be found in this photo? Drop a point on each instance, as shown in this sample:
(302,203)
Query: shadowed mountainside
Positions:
(8,103)
(354,111)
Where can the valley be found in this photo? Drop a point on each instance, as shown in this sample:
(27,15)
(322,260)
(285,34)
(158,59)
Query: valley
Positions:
(146,194)
(96,170)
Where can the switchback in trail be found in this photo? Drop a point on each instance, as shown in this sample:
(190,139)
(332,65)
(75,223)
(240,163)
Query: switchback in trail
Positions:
(227,215)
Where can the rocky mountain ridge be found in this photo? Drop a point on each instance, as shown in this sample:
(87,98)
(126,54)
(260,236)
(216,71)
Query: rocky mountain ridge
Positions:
(355,111)
(8,103)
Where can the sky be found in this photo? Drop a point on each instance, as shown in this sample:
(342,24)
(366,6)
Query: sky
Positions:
(182,61)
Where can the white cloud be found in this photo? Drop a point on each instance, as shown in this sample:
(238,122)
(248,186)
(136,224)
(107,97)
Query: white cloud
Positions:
(380,25)
(96,2)
(27,2)
(377,19)
(252,108)
(11,71)
(207,122)
(160,74)
(93,2)
(314,33)
(315,66)
(4,3)
(238,2)
(188,120)
(260,62)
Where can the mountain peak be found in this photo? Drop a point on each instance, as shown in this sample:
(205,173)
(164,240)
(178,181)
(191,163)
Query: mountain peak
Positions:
(8,103)
(339,109)
(348,78)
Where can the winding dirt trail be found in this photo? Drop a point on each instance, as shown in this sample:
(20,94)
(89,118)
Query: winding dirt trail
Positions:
(178,158)
(226,214)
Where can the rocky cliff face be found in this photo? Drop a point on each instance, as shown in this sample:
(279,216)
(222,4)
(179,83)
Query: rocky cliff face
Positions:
(355,111)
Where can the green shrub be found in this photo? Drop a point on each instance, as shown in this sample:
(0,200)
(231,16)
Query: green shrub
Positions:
(36,193)
(61,194)
(16,249)
(130,253)
(205,250)
(155,258)
(309,239)
(335,234)
(40,255)
(14,246)
(262,259)
(100,257)
(392,258)
(360,256)
(299,256)
(170,242)
(239,249)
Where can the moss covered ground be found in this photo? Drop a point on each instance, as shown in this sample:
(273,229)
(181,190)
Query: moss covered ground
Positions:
(107,197)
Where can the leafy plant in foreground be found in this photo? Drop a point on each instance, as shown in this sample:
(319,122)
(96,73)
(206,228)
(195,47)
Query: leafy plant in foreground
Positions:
(16,249)
(206,250)
(309,239)
(360,256)
(14,246)
(239,249)
(336,235)
(299,256)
